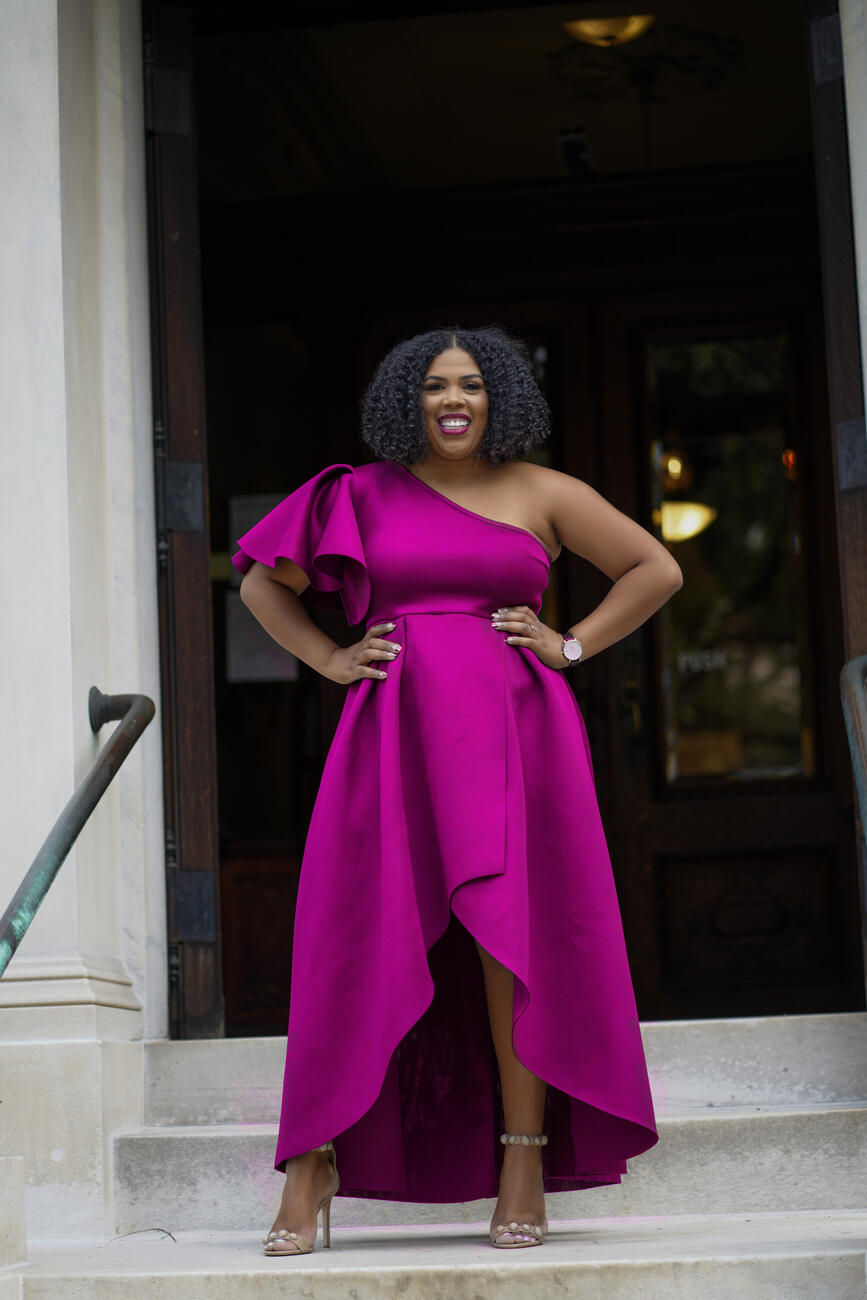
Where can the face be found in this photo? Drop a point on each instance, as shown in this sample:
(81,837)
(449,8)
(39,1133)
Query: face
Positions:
(454,405)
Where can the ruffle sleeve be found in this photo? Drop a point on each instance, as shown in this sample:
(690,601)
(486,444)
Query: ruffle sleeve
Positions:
(317,527)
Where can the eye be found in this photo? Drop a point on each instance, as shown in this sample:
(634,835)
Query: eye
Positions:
(473,385)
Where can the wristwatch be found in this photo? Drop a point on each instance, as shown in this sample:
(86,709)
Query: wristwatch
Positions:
(572,648)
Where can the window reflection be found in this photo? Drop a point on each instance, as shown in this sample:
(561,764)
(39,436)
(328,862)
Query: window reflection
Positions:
(724,474)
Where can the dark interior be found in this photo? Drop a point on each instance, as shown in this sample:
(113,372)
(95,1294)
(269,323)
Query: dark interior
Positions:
(364,178)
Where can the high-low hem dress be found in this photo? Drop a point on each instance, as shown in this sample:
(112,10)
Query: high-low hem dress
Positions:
(457,803)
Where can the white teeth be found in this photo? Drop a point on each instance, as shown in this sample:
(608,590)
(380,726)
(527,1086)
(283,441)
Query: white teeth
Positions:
(454,424)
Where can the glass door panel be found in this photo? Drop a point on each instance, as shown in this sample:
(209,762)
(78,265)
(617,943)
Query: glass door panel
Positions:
(724,473)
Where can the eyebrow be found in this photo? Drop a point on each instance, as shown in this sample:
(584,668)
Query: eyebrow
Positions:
(474,375)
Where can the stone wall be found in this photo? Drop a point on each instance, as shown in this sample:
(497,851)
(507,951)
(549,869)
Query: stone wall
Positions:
(79,591)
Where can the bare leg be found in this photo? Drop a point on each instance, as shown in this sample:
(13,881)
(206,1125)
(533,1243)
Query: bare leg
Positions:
(521,1198)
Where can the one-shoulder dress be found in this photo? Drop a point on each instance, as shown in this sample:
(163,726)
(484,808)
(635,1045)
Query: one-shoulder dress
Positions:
(457,802)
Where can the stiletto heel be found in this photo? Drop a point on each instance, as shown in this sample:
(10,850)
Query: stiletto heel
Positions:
(535,1231)
(292,1243)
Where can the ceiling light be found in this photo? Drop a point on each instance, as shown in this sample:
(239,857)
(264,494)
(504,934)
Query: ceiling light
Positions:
(609,31)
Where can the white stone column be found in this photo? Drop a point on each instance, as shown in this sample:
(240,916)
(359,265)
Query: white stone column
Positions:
(79,592)
(853,28)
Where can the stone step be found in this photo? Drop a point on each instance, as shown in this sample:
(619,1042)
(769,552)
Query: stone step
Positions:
(757,1257)
(728,1160)
(693,1064)
(13,1236)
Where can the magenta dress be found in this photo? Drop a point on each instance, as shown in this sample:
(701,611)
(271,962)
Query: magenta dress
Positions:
(457,801)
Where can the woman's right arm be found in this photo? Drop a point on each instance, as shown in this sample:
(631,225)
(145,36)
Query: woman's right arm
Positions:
(273,597)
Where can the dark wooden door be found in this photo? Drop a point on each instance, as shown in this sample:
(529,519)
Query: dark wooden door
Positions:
(182,543)
(730,801)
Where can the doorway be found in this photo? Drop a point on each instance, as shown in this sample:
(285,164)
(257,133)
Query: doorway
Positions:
(662,260)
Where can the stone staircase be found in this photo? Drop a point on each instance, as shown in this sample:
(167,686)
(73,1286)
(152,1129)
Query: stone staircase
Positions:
(757,1187)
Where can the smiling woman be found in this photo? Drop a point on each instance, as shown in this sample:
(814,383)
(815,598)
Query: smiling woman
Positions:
(456,887)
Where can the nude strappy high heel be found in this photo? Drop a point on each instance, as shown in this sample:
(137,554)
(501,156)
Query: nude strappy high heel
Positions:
(534,1231)
(292,1243)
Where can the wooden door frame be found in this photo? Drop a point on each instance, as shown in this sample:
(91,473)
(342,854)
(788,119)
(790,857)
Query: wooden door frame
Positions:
(192,860)
(848,448)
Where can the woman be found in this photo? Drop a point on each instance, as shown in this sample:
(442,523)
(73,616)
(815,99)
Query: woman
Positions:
(458,966)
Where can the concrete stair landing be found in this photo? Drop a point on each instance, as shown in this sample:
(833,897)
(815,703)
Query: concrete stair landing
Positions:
(762,1257)
(757,1189)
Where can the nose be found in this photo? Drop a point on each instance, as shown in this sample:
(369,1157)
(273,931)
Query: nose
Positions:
(452,392)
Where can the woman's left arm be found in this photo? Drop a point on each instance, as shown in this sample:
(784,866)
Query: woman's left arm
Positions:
(644,573)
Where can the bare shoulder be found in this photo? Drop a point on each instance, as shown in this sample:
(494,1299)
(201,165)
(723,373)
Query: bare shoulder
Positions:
(550,490)
(526,493)
(540,479)
(587,524)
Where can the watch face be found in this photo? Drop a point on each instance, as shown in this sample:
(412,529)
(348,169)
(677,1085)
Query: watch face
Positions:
(572,649)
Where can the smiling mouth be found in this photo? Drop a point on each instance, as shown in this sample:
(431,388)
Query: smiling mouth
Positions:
(454,423)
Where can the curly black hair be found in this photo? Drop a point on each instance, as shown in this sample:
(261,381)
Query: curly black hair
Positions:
(392,423)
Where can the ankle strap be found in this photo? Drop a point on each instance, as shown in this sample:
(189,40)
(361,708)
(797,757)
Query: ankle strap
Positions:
(523,1139)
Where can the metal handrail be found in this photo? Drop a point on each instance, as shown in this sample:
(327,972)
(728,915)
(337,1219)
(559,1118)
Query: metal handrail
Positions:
(135,712)
(853,693)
